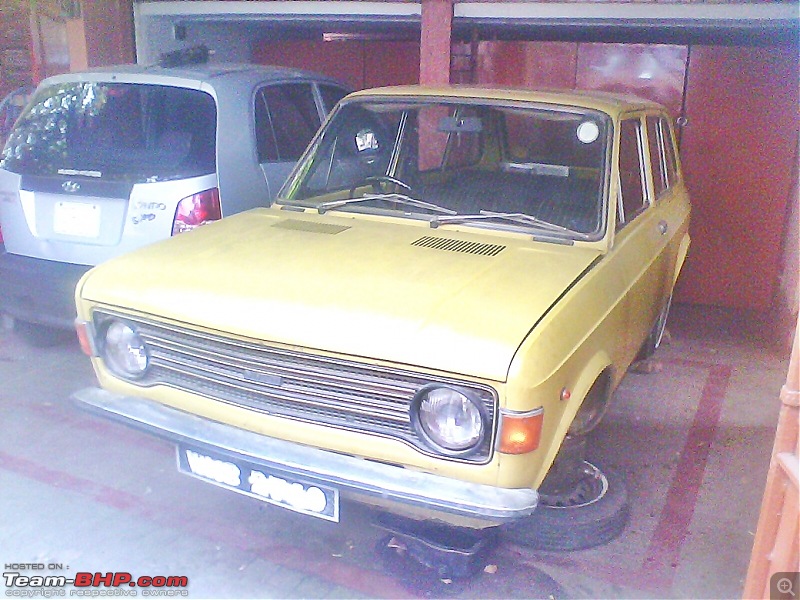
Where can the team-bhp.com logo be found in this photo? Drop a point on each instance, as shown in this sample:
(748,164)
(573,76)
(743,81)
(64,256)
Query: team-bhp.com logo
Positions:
(114,584)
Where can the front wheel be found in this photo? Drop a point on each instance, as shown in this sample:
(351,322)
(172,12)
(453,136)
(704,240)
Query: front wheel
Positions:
(593,513)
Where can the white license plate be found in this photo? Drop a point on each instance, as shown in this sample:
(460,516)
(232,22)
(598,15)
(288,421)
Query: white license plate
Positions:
(77,219)
(268,485)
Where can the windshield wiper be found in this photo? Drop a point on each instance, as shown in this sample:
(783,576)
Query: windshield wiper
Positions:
(399,198)
(520,218)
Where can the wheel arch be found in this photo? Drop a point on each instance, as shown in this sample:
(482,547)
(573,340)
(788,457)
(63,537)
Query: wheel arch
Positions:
(683,251)
(596,381)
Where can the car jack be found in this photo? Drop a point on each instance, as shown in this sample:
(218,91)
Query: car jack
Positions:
(450,552)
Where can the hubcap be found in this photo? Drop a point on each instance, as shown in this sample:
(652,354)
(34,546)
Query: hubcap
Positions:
(591,487)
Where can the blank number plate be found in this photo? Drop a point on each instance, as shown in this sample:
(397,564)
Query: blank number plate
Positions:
(77,219)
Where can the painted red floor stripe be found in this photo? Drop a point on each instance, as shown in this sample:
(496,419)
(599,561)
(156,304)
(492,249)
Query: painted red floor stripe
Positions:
(59,479)
(337,572)
(663,553)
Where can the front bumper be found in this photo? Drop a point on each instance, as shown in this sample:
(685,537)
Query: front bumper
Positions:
(362,480)
(38,290)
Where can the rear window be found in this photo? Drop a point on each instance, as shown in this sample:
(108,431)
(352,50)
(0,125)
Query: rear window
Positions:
(120,131)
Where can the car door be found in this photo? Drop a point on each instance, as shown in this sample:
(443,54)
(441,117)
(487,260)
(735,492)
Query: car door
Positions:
(638,242)
(287,115)
(670,202)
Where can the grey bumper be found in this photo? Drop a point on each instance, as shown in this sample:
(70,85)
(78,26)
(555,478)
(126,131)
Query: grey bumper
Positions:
(38,290)
(352,476)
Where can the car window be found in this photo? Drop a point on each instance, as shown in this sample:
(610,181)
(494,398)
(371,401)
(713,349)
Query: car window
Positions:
(670,154)
(331,94)
(655,147)
(115,131)
(286,120)
(633,197)
(464,158)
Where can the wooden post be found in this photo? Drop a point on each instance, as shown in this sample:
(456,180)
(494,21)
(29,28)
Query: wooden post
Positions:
(775,548)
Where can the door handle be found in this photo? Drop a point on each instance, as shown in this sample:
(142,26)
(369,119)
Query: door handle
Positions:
(663,227)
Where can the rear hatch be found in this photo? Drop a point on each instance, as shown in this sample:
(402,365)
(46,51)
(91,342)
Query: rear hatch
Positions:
(93,169)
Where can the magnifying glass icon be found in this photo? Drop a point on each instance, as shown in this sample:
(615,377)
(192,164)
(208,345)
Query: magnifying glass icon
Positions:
(786,586)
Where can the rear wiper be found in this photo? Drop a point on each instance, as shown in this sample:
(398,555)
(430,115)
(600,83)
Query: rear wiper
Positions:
(520,218)
(399,198)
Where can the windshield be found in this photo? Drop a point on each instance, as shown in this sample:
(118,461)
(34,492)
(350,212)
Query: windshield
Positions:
(428,158)
(115,131)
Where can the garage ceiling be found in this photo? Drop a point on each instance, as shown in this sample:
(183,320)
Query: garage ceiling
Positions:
(728,22)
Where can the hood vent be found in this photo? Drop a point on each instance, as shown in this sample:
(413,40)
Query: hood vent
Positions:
(311,227)
(440,243)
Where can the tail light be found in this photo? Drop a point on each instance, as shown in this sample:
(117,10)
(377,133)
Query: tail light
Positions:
(197,210)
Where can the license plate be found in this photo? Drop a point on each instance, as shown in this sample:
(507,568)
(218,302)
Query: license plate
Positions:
(266,484)
(77,219)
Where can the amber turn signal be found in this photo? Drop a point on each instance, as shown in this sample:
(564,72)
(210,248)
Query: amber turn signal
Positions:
(84,338)
(520,433)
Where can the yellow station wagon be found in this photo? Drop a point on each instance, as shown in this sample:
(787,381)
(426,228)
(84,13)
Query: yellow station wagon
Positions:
(430,319)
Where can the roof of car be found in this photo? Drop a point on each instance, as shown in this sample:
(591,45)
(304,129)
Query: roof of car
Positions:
(209,73)
(604,101)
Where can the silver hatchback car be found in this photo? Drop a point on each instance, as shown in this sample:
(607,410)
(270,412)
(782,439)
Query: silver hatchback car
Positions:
(102,162)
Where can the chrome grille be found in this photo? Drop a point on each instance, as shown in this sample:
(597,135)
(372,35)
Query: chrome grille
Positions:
(317,389)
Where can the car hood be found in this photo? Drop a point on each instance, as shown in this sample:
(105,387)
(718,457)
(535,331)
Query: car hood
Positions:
(450,299)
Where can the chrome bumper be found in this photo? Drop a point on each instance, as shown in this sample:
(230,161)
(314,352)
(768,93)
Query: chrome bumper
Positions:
(350,475)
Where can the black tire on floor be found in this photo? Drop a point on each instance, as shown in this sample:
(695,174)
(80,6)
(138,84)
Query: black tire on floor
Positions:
(575,527)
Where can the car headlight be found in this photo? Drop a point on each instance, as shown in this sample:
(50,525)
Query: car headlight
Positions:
(451,420)
(124,351)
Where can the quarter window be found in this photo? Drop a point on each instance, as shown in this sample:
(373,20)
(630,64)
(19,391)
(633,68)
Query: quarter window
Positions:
(655,146)
(670,156)
(286,120)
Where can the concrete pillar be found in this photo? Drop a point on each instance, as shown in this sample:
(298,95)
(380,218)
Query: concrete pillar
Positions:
(437,26)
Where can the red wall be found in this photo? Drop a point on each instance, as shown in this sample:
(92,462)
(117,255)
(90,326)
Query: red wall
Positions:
(360,63)
(739,149)
(739,153)
(108,26)
(654,71)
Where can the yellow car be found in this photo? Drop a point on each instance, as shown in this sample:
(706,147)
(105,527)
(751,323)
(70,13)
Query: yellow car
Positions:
(430,318)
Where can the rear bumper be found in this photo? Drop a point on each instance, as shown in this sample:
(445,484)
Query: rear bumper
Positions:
(39,291)
(362,480)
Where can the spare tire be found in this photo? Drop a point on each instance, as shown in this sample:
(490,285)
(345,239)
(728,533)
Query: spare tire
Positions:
(595,513)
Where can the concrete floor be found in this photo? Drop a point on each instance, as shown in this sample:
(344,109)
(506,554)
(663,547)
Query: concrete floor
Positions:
(79,494)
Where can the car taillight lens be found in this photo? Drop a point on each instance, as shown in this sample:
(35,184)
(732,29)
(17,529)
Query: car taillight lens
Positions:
(197,210)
